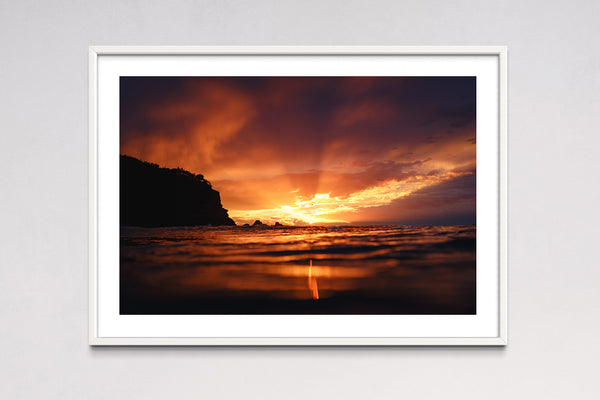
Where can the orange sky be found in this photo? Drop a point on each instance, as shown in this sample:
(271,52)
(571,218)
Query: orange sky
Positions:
(362,150)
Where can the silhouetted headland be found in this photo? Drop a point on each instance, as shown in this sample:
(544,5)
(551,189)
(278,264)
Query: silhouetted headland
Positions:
(152,196)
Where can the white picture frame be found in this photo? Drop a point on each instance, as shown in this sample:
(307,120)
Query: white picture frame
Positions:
(487,328)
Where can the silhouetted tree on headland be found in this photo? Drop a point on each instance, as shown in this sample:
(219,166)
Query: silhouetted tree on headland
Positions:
(155,196)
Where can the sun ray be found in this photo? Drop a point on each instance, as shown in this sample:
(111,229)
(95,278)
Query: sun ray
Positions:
(323,208)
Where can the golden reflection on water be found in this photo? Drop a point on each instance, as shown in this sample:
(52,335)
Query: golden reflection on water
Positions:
(377,267)
(312,283)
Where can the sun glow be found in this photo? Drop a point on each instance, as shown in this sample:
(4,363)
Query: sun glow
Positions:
(323,208)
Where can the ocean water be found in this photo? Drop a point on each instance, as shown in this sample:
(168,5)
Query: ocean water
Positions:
(298,270)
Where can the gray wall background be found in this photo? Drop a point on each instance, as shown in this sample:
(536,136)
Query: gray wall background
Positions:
(554,104)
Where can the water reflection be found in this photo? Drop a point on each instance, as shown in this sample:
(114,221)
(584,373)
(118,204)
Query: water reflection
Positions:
(360,270)
(312,283)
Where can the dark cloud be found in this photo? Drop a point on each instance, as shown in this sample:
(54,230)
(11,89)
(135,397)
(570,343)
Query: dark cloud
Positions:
(270,139)
(447,203)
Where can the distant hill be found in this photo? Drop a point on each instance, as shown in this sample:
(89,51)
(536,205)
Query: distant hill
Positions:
(152,196)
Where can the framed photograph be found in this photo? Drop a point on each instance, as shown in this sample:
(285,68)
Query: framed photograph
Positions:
(297,196)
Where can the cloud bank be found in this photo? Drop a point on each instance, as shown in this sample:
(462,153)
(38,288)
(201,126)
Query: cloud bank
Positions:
(314,149)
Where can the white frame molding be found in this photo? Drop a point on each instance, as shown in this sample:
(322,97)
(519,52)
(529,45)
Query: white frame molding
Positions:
(96,51)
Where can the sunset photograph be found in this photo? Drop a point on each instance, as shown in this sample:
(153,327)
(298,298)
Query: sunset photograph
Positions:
(297,195)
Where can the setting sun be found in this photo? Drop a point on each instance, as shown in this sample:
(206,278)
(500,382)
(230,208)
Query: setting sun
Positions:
(322,208)
(322,150)
(298,195)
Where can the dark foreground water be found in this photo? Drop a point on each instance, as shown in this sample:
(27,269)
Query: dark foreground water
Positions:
(309,270)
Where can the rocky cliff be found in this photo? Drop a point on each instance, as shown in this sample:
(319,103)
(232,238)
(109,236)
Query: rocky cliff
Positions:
(155,196)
